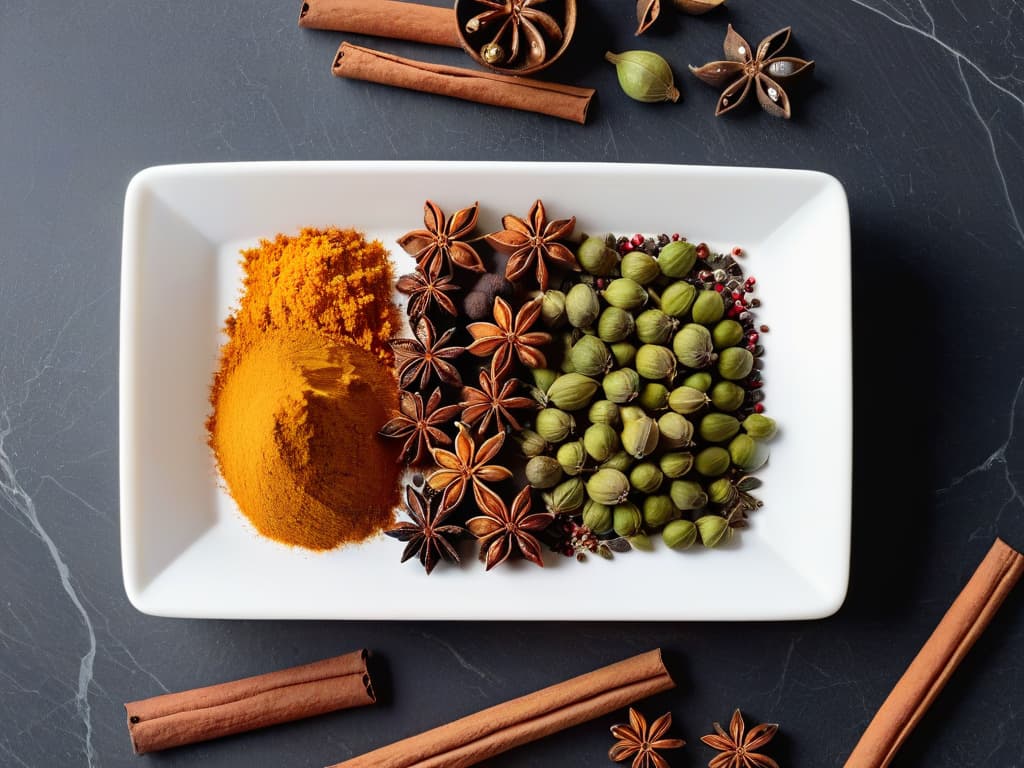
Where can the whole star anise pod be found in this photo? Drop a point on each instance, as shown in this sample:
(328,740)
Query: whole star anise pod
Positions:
(493,402)
(503,531)
(467,466)
(427,291)
(426,356)
(518,19)
(419,424)
(440,246)
(763,70)
(738,750)
(641,743)
(534,242)
(427,536)
(510,335)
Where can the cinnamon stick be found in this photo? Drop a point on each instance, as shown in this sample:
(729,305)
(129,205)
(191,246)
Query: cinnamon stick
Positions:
(383,18)
(495,730)
(176,719)
(928,673)
(565,101)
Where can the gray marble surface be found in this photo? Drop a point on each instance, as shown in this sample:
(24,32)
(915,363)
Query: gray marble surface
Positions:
(917,107)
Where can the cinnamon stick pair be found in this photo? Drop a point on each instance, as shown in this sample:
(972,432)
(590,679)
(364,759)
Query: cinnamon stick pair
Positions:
(207,713)
(931,669)
(495,730)
(564,101)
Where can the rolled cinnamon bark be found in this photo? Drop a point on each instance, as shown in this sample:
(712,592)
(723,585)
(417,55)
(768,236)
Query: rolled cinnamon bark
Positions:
(383,18)
(176,719)
(565,101)
(928,673)
(495,730)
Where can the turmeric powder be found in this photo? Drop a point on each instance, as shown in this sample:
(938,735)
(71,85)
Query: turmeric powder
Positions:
(304,383)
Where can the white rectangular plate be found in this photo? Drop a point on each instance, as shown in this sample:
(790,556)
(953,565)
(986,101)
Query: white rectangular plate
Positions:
(188,551)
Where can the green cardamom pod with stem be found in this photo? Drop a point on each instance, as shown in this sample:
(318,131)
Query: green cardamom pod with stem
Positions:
(644,76)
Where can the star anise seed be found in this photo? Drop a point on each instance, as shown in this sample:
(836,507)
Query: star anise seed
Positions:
(762,69)
(510,334)
(502,531)
(427,291)
(641,743)
(420,424)
(427,536)
(493,402)
(534,242)
(737,748)
(440,246)
(467,466)
(426,356)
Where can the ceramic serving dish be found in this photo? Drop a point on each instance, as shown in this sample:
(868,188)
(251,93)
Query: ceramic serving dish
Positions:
(188,551)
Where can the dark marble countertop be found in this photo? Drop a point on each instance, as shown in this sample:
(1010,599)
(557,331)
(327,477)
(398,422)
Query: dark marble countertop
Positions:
(917,106)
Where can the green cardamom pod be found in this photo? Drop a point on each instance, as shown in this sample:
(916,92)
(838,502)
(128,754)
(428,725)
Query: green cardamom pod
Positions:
(621,461)
(655,362)
(727,333)
(604,412)
(713,530)
(747,453)
(553,425)
(566,497)
(760,426)
(543,472)
(608,486)
(676,260)
(708,308)
(713,461)
(543,378)
(596,257)
(582,306)
(679,534)
(640,437)
(591,357)
(597,517)
(675,464)
(687,400)
(600,441)
(626,519)
(654,326)
(646,477)
(735,363)
(625,293)
(727,395)
(659,510)
(653,396)
(640,266)
(722,491)
(700,380)
(572,391)
(678,298)
(571,457)
(687,494)
(622,385)
(676,430)
(624,353)
(718,427)
(531,443)
(644,75)
(552,309)
(614,325)
(693,346)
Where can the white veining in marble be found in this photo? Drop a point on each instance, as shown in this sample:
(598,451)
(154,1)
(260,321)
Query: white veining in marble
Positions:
(16,495)
(961,59)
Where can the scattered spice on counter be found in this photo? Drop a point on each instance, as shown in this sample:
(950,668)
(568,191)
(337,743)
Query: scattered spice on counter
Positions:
(304,383)
(739,748)
(762,70)
(490,732)
(201,714)
(642,743)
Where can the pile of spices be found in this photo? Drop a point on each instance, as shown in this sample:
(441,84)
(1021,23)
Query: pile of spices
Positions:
(305,379)
(628,368)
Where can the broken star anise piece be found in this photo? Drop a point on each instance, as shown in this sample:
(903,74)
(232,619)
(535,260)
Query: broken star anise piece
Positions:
(503,531)
(419,424)
(763,70)
(426,292)
(738,750)
(440,247)
(533,242)
(427,536)
(426,356)
(467,466)
(493,402)
(641,743)
(510,335)
(517,21)
(647,12)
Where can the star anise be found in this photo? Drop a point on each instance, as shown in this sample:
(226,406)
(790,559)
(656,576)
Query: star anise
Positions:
(738,750)
(641,743)
(763,69)
(428,537)
(426,356)
(510,334)
(467,466)
(427,291)
(441,247)
(518,19)
(502,531)
(534,242)
(493,401)
(419,424)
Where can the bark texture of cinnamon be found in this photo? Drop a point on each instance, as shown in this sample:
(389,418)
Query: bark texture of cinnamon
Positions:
(928,673)
(383,18)
(495,730)
(176,719)
(565,101)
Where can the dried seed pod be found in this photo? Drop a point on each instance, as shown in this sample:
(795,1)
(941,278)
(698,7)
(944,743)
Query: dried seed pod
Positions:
(604,412)
(713,530)
(747,453)
(687,494)
(697,7)
(735,363)
(543,378)
(566,497)
(644,76)
(621,386)
(679,534)
(676,430)
(531,443)
(608,486)
(600,441)
(700,380)
(582,306)
(624,353)
(693,346)
(596,257)
(713,461)
(571,457)
(718,427)
(554,425)
(687,400)
(708,308)
(654,326)
(625,293)
(639,266)
(646,477)
(655,362)
(653,397)
(723,492)
(640,437)
(621,461)
(678,298)
(760,426)
(543,472)
(727,333)
(552,309)
(615,324)
(728,395)
(677,258)
(659,510)
(597,517)
(590,357)
(675,464)
(626,519)
(572,391)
